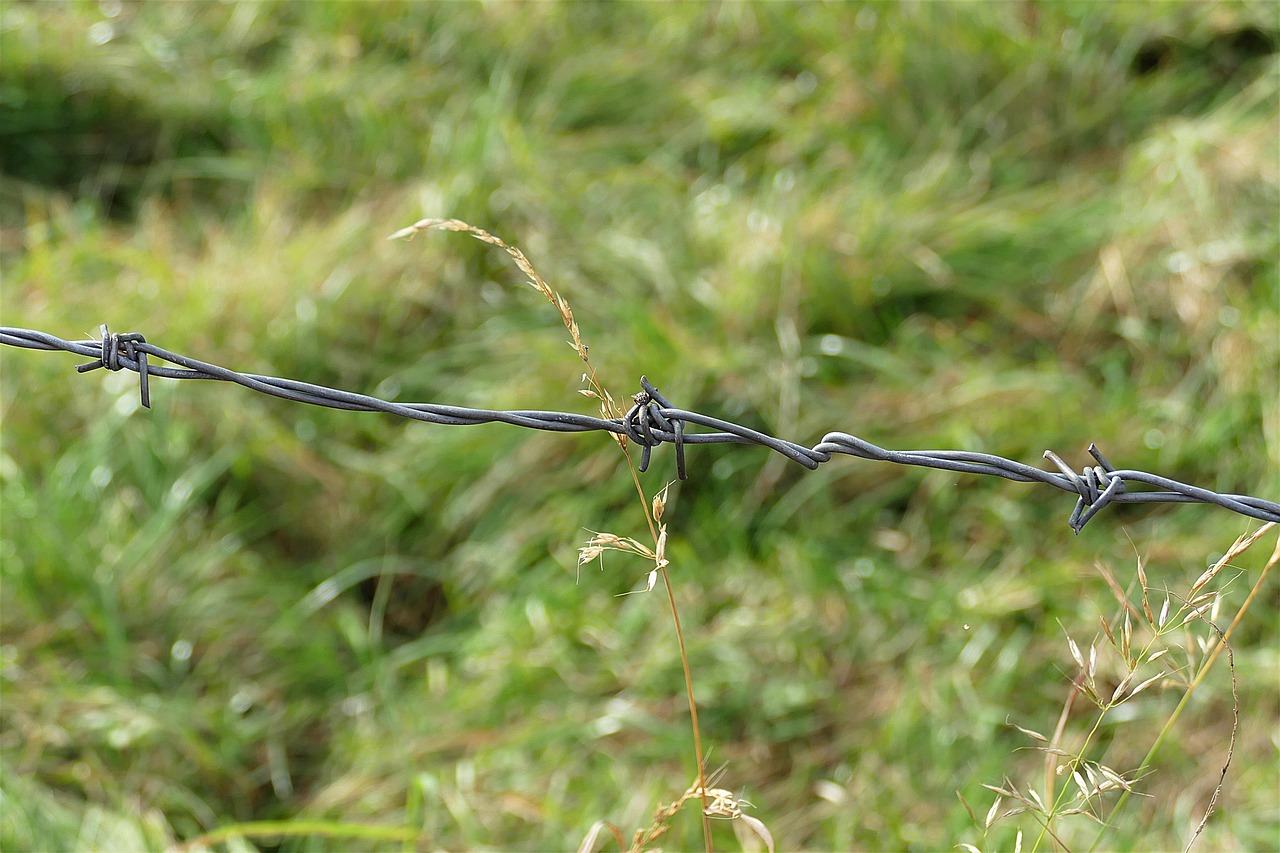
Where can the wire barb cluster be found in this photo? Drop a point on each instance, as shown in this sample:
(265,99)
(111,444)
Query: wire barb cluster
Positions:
(653,421)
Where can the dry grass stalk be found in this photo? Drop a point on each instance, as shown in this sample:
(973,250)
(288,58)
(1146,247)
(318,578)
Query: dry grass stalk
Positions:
(1132,649)
(602,542)
(607,405)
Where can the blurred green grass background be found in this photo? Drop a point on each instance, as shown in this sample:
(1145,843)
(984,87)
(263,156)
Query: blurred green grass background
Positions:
(996,227)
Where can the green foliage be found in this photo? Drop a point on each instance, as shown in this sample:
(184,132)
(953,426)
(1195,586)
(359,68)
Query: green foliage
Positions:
(995,227)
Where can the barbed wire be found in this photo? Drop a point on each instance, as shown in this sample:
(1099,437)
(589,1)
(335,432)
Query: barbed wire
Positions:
(653,421)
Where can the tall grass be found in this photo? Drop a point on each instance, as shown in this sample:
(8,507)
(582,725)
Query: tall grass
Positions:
(1003,227)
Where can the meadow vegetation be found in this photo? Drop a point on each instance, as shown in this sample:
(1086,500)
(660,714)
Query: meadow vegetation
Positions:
(997,227)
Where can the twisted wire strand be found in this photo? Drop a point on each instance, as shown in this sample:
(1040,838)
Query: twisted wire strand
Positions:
(653,421)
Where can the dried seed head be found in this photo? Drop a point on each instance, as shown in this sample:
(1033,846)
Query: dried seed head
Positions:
(1078,778)
(1144,685)
(991,813)
(1075,652)
(1197,612)
(660,503)
(1106,629)
(756,826)
(1120,688)
(1030,733)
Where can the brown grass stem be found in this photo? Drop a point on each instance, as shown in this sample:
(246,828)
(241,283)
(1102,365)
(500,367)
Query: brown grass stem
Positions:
(609,409)
(684,655)
(693,710)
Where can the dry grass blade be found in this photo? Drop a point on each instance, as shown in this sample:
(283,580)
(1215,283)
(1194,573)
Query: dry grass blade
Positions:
(1085,791)
(1196,613)
(1084,813)
(1113,780)
(1142,580)
(660,502)
(973,817)
(588,844)
(991,813)
(1120,689)
(1144,685)
(601,541)
(1075,652)
(757,828)
(1241,545)
(1030,733)
(1106,629)
(537,282)
(1117,591)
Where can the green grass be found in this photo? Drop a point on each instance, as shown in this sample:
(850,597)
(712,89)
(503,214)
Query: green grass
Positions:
(995,227)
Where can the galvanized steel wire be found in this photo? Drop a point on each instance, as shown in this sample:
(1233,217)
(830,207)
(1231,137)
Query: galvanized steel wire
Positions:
(653,421)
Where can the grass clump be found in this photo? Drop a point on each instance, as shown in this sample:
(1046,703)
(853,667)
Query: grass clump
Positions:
(994,227)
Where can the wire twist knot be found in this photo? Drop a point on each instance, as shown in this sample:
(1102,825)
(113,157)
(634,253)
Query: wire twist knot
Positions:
(122,352)
(648,426)
(1096,486)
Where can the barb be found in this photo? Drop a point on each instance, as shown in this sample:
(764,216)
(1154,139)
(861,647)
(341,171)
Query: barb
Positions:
(653,421)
